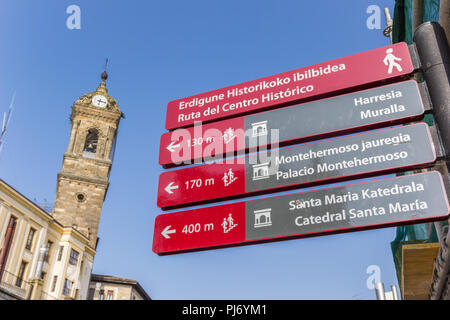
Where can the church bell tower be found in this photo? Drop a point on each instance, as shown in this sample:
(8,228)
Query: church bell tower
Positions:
(84,178)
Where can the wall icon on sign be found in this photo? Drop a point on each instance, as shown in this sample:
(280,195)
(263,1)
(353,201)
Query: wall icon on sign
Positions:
(390,60)
(260,171)
(229,178)
(259,129)
(228,224)
(263,218)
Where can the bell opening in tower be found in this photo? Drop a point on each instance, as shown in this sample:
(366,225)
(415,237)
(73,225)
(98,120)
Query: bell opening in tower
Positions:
(90,146)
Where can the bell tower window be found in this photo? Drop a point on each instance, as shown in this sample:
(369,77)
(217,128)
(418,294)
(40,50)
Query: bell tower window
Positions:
(90,146)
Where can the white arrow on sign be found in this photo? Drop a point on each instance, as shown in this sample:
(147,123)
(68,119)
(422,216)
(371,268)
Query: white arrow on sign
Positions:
(167,231)
(171,147)
(170,187)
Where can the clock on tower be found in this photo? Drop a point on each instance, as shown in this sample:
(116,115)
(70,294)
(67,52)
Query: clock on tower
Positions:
(100,101)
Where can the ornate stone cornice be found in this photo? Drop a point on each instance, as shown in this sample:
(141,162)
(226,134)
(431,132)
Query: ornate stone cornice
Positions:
(96,181)
(106,163)
(87,99)
(96,113)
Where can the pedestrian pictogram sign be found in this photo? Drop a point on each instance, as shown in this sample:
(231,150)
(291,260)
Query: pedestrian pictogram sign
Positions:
(325,78)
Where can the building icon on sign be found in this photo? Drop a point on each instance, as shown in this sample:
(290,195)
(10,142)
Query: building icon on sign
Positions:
(260,171)
(263,218)
(259,129)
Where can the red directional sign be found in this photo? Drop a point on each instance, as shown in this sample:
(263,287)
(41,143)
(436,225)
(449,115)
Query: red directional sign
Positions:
(371,108)
(353,207)
(202,142)
(369,153)
(356,70)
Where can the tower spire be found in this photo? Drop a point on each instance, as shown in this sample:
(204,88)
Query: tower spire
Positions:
(104,76)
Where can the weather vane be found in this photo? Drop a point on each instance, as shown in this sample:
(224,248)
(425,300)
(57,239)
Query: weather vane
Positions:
(104,74)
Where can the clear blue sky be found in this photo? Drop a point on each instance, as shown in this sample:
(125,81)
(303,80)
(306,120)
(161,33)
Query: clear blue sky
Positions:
(160,51)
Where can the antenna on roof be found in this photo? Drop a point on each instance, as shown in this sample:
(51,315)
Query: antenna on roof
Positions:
(6,119)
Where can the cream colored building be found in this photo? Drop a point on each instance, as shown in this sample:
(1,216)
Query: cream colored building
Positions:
(114,288)
(40,258)
(50,255)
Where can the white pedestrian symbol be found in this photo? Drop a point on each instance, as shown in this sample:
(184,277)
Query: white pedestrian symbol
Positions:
(229,177)
(390,60)
(228,135)
(228,224)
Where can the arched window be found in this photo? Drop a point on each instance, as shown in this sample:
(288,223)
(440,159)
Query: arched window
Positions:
(90,146)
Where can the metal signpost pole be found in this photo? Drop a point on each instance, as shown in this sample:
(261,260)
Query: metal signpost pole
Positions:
(434,53)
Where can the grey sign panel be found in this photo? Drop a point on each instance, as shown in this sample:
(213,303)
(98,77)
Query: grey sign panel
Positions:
(370,152)
(378,203)
(351,111)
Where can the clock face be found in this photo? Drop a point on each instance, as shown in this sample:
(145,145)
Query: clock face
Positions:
(99,101)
